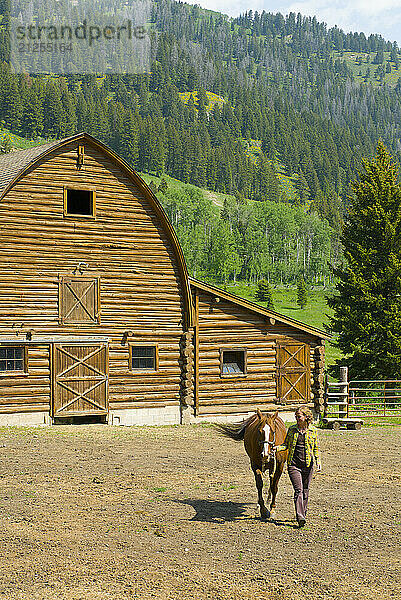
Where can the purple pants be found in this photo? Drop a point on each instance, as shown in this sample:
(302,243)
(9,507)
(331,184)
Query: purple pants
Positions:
(301,480)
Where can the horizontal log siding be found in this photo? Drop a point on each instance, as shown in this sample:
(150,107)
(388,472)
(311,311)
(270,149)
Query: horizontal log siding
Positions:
(125,245)
(228,325)
(28,392)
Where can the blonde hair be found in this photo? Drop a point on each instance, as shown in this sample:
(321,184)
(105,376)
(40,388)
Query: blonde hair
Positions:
(306,412)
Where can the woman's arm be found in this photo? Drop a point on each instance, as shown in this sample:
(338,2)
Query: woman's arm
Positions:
(316,453)
(285,445)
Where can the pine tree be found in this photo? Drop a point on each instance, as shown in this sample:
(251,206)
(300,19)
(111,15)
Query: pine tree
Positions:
(302,293)
(394,55)
(13,107)
(54,117)
(129,138)
(264,293)
(302,188)
(367,306)
(379,58)
(32,118)
(5,144)
(163,186)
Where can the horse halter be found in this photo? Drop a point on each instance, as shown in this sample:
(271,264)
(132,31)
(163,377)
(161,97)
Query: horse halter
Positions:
(268,450)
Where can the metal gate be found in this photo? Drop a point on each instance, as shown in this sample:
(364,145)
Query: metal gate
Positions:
(362,398)
(80,380)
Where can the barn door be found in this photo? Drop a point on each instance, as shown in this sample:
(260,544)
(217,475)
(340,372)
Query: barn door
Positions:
(80,380)
(293,373)
(79,300)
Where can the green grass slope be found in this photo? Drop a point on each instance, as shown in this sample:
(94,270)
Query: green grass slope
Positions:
(175,184)
(365,70)
(19,143)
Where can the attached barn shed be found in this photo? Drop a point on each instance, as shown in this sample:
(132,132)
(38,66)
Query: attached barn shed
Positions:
(247,356)
(97,318)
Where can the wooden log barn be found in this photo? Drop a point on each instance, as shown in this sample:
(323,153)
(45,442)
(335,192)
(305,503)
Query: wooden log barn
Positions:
(99,319)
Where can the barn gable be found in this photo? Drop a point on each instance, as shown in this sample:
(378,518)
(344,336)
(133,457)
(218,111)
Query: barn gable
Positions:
(16,165)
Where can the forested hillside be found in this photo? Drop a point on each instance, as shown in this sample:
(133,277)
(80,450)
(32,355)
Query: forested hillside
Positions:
(248,240)
(263,107)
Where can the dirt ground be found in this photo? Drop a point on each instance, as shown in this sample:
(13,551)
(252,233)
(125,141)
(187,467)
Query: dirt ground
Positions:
(92,512)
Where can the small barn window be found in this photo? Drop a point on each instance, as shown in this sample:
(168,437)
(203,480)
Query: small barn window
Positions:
(13,359)
(233,362)
(79,202)
(143,358)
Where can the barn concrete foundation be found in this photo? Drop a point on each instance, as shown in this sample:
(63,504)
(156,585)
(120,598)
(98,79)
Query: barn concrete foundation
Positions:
(168,415)
(287,417)
(229,418)
(22,419)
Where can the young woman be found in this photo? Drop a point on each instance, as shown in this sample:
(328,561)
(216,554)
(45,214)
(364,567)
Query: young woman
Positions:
(303,454)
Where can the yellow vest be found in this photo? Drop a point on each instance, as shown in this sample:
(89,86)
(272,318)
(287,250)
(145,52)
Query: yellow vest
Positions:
(311,444)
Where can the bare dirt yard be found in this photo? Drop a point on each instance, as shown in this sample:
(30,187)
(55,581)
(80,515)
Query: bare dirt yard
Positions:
(93,512)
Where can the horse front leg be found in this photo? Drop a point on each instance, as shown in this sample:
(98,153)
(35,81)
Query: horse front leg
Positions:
(264,513)
(272,465)
(274,484)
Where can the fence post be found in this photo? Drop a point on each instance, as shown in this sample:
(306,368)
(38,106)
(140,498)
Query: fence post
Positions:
(326,391)
(343,390)
(384,400)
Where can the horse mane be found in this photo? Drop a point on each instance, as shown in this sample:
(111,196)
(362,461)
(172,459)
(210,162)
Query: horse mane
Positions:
(236,431)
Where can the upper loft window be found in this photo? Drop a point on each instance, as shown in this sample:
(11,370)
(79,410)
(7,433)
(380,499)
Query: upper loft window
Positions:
(79,300)
(79,202)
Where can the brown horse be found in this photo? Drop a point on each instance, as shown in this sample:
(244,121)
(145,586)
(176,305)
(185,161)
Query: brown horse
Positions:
(261,433)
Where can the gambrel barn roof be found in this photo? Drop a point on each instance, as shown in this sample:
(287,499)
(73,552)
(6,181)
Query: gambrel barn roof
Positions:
(14,163)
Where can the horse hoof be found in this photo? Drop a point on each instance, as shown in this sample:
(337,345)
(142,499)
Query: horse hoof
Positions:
(264,514)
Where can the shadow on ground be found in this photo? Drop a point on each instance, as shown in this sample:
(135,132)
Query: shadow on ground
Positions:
(284,523)
(212,511)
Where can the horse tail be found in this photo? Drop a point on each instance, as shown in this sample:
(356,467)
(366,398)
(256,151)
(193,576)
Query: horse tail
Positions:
(235,431)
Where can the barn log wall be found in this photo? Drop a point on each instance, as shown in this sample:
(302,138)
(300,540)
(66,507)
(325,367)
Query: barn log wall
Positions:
(187,376)
(221,324)
(28,393)
(125,245)
(318,379)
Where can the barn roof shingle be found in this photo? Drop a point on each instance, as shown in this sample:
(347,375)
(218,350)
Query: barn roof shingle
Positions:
(13,163)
